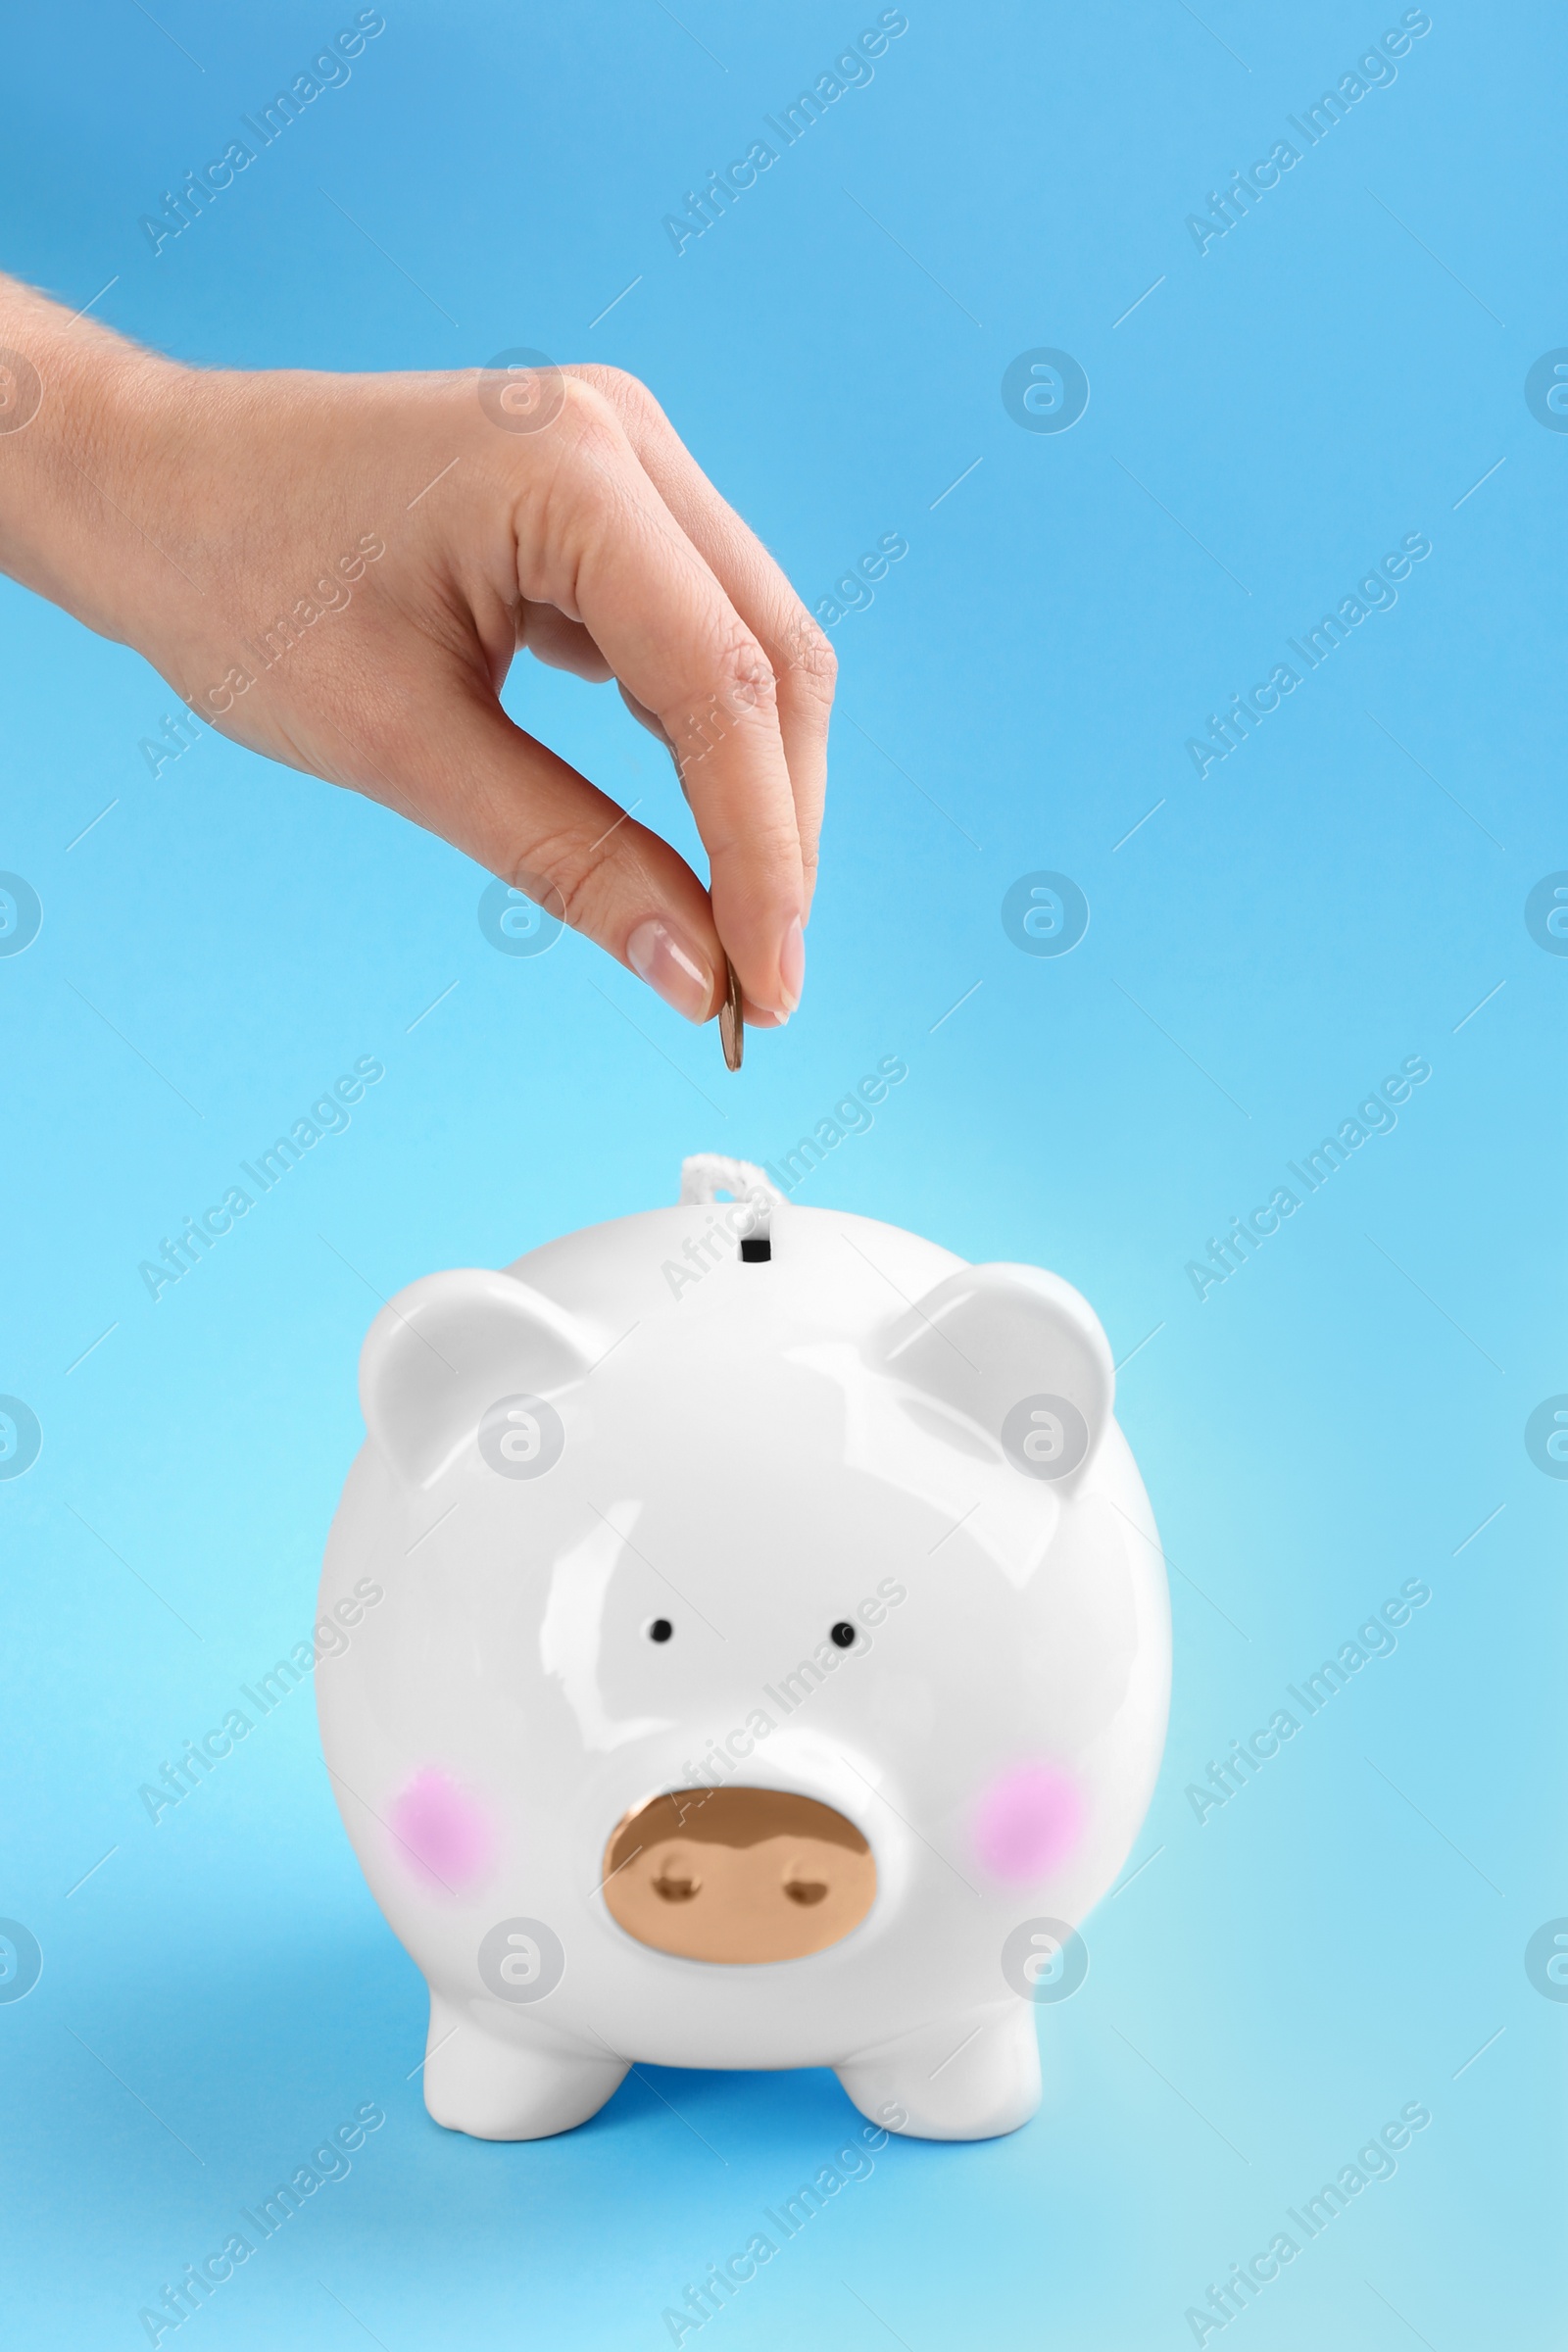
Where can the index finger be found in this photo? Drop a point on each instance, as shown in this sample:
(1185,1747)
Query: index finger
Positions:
(602,546)
(803,660)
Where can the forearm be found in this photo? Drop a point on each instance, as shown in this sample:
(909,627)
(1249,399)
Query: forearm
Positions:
(82,413)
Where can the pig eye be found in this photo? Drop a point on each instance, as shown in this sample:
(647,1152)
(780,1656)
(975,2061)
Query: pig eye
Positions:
(843,1633)
(660,1629)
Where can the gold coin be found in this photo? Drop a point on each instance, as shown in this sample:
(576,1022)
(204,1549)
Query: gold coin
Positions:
(731,1026)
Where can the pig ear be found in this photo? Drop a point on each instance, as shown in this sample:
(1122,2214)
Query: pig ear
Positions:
(444,1351)
(1018,1351)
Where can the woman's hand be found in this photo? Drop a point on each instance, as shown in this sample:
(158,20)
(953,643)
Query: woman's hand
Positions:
(337,571)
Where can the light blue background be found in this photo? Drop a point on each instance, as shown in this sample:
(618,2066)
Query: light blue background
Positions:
(1344,1936)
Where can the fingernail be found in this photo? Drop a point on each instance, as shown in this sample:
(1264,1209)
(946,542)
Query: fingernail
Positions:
(661,958)
(792,965)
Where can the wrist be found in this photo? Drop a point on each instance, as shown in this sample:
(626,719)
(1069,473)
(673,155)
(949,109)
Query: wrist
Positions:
(84,436)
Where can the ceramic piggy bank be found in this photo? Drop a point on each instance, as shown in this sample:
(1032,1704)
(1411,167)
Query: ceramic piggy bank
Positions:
(770,1665)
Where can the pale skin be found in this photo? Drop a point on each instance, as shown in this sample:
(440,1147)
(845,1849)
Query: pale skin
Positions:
(186,512)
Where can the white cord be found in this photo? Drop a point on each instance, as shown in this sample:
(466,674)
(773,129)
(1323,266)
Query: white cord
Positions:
(706,1174)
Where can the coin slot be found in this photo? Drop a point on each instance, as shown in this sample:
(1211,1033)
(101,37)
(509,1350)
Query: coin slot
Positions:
(756,1250)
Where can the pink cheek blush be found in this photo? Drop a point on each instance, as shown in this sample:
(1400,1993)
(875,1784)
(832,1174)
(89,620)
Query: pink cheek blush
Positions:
(1027,1822)
(441,1835)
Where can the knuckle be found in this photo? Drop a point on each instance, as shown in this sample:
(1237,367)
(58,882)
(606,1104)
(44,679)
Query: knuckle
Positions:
(735,682)
(592,421)
(745,674)
(554,872)
(571,875)
(813,663)
(626,394)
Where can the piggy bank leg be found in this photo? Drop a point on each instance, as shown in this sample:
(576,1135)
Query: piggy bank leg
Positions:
(496,2083)
(974,2076)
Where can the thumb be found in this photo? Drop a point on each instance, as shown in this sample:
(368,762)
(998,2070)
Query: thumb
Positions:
(514,806)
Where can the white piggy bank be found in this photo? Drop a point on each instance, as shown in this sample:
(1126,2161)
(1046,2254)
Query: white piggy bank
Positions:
(768,1665)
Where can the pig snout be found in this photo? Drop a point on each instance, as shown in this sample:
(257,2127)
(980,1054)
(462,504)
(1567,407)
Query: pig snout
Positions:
(737,1875)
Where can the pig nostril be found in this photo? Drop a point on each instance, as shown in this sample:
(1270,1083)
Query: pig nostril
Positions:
(734,1875)
(676,1889)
